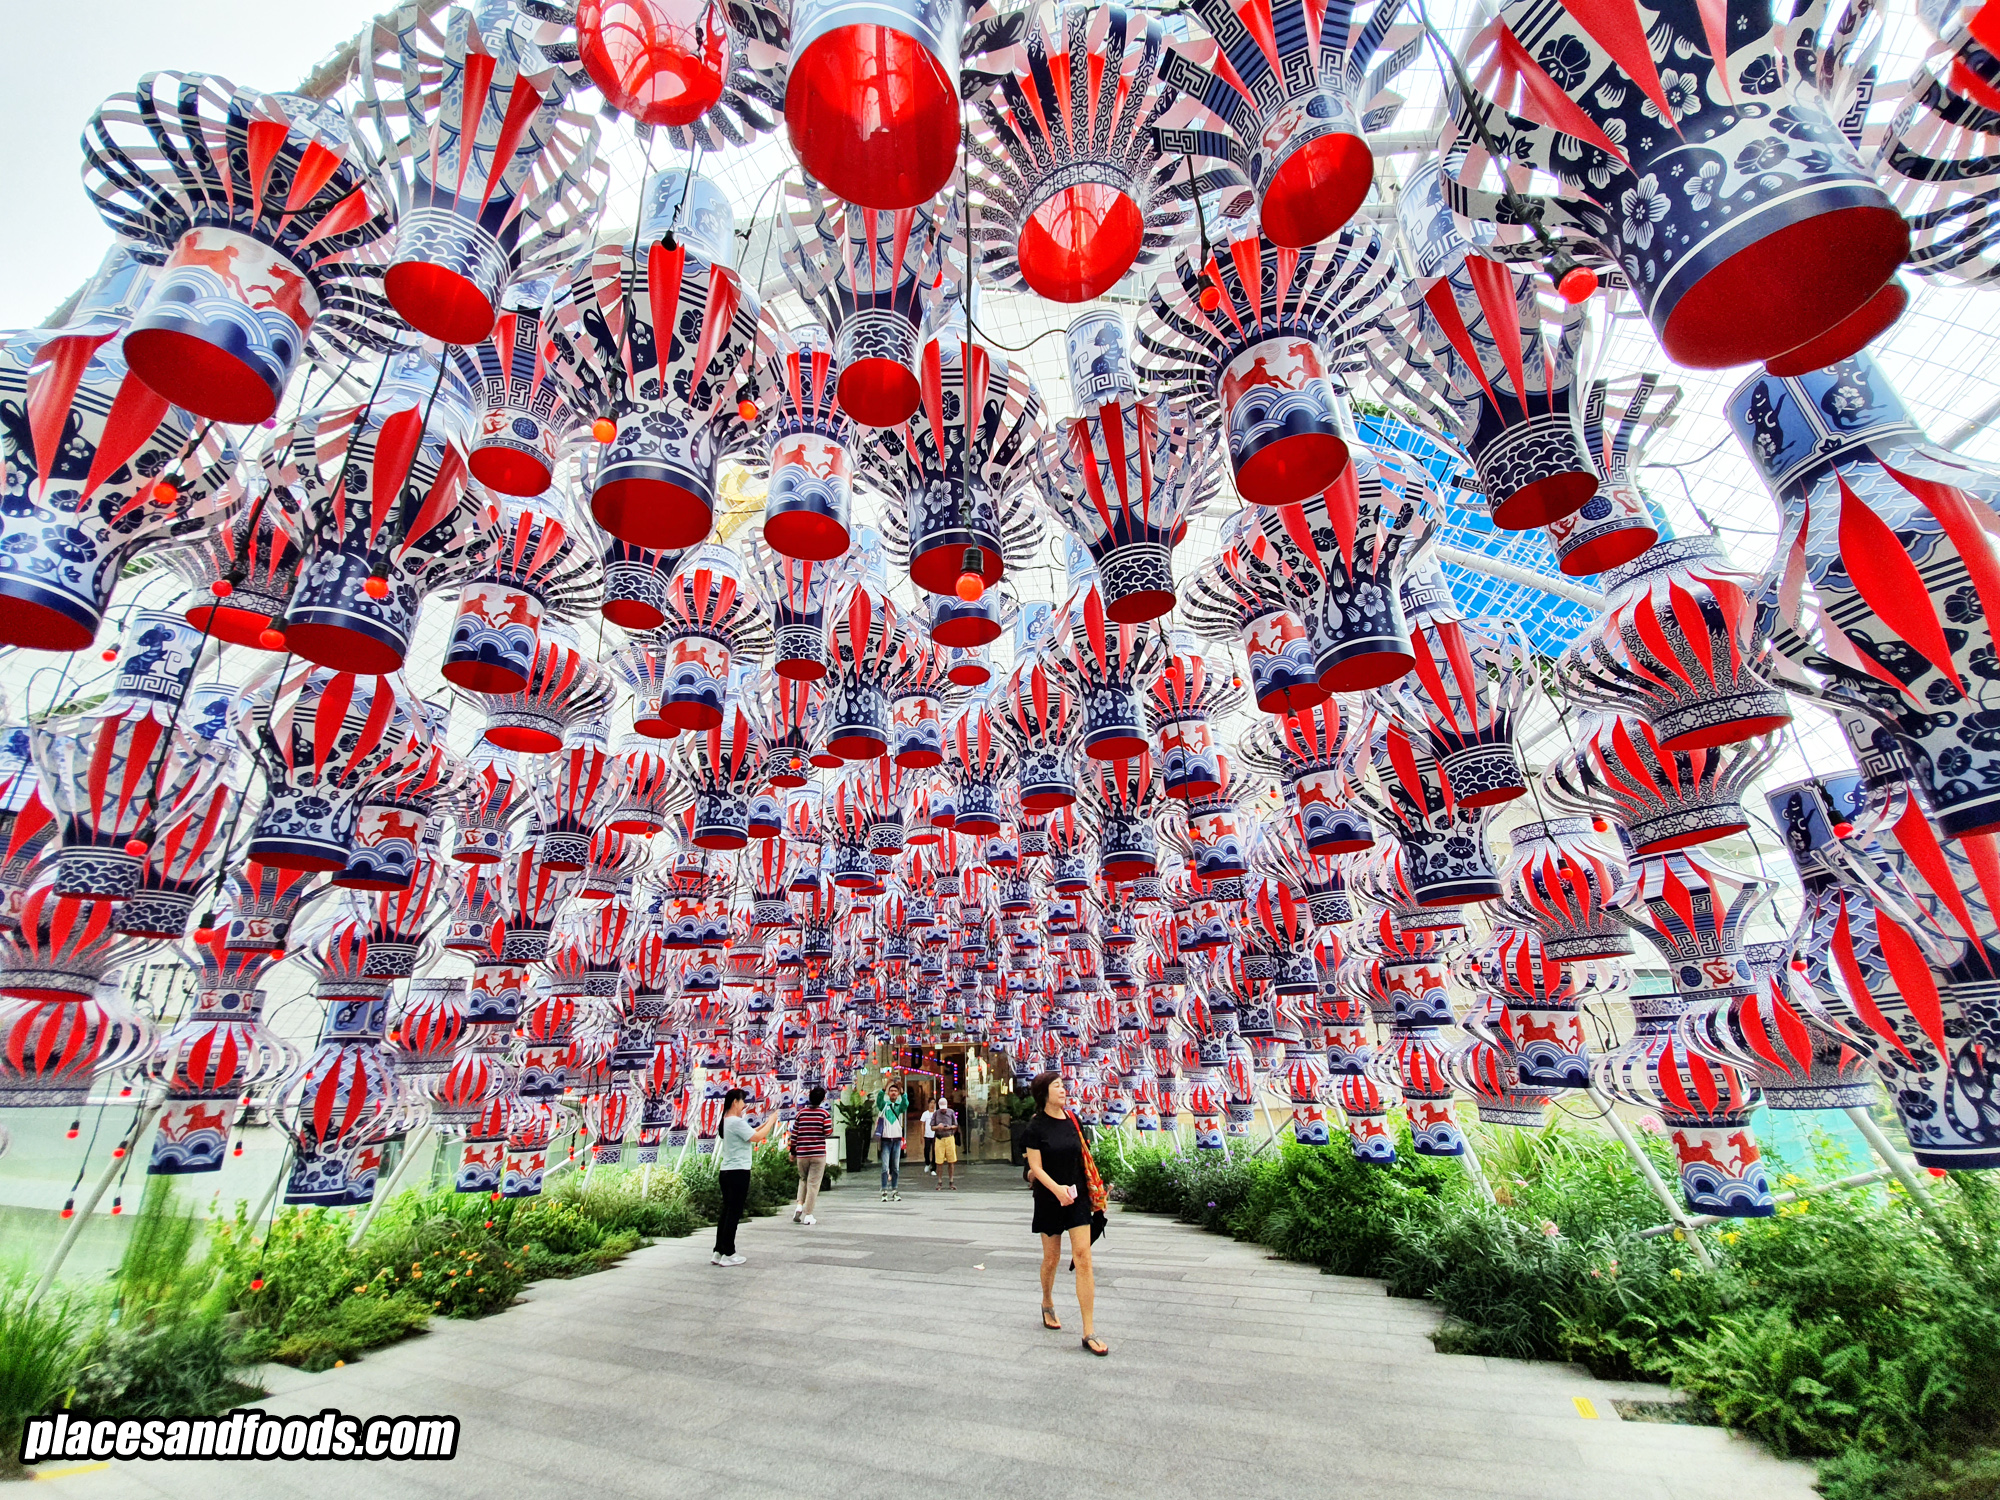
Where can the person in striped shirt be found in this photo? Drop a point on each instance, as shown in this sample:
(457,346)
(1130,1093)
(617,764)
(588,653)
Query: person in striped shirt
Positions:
(812,1128)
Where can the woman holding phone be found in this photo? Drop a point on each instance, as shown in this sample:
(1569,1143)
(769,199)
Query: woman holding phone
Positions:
(1056,1171)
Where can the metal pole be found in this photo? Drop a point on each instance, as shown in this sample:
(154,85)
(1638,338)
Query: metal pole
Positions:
(1652,1176)
(383,1195)
(1893,1159)
(1473,1168)
(77,1220)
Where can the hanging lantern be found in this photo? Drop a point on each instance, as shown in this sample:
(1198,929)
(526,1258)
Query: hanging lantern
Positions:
(1257,366)
(485,803)
(537,570)
(1186,695)
(383,495)
(1774,1035)
(1900,956)
(1679,642)
(255,552)
(871,97)
(1465,696)
(55,1033)
(564,688)
(1540,1027)
(865,274)
(1473,353)
(1110,667)
(864,641)
(1559,882)
(1309,752)
(1279,80)
(1126,476)
(185,849)
(526,425)
(810,494)
(654,333)
(264,208)
(796,593)
(568,788)
(644,790)
(713,620)
(1120,797)
(1665,800)
(1041,717)
(325,740)
(263,901)
(956,466)
(1338,560)
(477,925)
(1789,223)
(723,764)
(1618,524)
(916,704)
(395,921)
(1443,840)
(112,776)
(1226,601)
(493,179)
(1883,524)
(1410,979)
(1488,1068)
(346,1095)
(212,1058)
(635,584)
(977,759)
(1072,182)
(396,815)
(1693,913)
(86,449)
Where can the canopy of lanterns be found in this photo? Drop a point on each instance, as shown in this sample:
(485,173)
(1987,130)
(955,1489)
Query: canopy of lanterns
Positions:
(758,785)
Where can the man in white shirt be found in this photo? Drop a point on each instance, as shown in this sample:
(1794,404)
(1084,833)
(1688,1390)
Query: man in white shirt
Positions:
(924,1119)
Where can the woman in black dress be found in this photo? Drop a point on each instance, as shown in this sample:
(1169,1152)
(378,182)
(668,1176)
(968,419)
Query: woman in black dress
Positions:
(1054,1145)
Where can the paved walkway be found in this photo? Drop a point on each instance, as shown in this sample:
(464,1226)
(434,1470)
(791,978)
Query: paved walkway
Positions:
(894,1349)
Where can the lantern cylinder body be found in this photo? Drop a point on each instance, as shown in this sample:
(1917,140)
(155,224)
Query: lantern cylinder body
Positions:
(222,329)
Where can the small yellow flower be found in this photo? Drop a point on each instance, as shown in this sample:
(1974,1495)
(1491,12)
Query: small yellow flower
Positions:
(1675,1273)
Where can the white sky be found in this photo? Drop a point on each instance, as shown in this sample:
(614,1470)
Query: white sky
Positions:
(60,61)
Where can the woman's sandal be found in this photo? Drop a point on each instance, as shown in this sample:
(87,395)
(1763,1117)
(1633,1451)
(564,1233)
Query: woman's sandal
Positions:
(1050,1320)
(1096,1346)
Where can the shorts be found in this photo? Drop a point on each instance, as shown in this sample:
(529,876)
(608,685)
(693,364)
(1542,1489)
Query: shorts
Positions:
(947,1148)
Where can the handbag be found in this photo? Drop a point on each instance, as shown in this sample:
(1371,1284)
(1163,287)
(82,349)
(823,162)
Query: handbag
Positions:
(1099,1198)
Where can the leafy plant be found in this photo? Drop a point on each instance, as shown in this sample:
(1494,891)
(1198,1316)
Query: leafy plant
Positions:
(856,1109)
(353,1328)
(41,1350)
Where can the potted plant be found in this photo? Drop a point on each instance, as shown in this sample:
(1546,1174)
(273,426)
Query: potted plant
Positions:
(857,1117)
(1019,1109)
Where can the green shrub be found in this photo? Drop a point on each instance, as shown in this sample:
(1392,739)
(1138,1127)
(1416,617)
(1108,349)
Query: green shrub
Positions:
(559,1227)
(358,1325)
(655,1207)
(181,1366)
(41,1350)
(1847,1326)
(563,1265)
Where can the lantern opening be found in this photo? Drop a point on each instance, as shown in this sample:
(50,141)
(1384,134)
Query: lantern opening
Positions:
(878,392)
(1803,280)
(1080,242)
(874,115)
(1547,499)
(1291,469)
(437,301)
(510,471)
(652,513)
(808,535)
(1846,338)
(661,63)
(193,374)
(1317,190)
